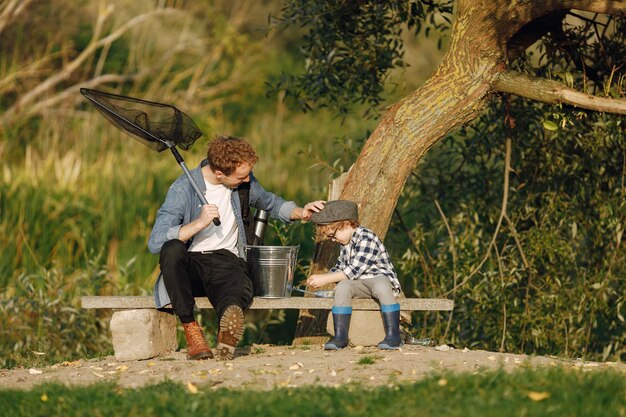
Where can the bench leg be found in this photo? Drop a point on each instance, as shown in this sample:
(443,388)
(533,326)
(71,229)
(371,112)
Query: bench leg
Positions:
(366,328)
(143,334)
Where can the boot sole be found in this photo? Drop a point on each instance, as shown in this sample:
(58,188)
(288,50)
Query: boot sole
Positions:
(200,356)
(231,328)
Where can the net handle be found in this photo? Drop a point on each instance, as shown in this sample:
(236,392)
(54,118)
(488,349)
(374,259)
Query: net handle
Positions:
(181,162)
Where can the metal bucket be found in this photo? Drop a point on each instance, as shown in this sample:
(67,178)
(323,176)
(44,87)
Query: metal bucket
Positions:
(272,269)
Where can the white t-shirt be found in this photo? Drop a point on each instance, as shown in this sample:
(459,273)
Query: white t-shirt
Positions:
(223,236)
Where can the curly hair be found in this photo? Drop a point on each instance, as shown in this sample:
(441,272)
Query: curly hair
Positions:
(226,153)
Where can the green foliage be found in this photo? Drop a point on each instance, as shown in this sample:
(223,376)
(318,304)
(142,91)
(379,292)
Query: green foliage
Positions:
(526,392)
(75,192)
(41,318)
(350,48)
(553,282)
(543,270)
(78,199)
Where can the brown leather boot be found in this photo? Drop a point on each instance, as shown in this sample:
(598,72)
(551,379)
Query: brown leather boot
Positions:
(197,347)
(231,330)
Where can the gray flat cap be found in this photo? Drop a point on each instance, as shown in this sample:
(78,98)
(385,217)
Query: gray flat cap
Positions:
(335,211)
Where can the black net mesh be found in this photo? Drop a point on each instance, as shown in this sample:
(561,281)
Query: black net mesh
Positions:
(152,124)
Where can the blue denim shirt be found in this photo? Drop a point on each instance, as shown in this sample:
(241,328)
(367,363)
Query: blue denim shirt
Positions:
(182,206)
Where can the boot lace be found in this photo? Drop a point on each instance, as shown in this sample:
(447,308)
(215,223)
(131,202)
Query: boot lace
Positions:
(195,336)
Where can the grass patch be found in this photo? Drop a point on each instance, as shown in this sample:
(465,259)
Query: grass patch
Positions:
(367,360)
(551,392)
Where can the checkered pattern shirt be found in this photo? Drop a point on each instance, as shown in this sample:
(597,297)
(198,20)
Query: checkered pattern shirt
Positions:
(365,257)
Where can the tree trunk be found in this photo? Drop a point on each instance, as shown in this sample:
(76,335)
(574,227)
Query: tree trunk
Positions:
(452,97)
(456,93)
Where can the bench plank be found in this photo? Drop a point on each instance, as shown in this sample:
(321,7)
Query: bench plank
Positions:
(312,303)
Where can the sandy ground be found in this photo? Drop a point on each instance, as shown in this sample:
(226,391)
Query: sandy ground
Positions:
(265,367)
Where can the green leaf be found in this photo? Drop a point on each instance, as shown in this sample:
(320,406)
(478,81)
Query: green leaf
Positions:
(550,125)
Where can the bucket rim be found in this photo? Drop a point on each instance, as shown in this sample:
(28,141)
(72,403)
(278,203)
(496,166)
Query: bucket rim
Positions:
(270,247)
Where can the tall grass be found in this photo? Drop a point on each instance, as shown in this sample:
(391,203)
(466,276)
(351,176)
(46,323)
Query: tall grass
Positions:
(77,195)
(80,194)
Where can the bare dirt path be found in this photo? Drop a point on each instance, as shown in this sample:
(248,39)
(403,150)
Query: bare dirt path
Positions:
(265,367)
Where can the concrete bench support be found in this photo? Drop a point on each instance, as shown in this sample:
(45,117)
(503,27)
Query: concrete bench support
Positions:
(143,334)
(139,331)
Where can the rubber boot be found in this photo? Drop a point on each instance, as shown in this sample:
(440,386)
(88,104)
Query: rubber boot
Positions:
(197,347)
(341,324)
(391,323)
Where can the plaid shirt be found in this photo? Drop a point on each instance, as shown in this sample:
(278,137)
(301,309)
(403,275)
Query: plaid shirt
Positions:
(365,257)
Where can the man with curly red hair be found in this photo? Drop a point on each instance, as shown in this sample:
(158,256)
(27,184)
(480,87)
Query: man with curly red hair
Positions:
(198,258)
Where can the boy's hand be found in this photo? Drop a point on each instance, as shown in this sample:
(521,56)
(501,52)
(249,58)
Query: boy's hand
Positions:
(317,280)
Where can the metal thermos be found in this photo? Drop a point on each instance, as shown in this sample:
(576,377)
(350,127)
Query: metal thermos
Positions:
(260,224)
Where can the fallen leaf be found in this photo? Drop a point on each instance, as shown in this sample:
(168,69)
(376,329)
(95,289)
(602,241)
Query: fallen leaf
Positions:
(98,375)
(538,396)
(121,368)
(491,358)
(192,388)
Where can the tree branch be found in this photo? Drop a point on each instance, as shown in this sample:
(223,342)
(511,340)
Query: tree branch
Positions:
(553,92)
(505,202)
(611,7)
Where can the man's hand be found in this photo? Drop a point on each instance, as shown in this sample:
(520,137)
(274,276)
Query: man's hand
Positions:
(310,208)
(208,212)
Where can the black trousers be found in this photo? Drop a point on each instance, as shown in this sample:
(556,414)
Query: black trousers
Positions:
(220,275)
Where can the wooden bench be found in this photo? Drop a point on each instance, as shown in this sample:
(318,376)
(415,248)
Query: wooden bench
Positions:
(139,331)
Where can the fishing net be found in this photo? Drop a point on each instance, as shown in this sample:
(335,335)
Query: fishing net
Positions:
(156,125)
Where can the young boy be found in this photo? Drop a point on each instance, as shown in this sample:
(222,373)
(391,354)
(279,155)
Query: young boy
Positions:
(363,270)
